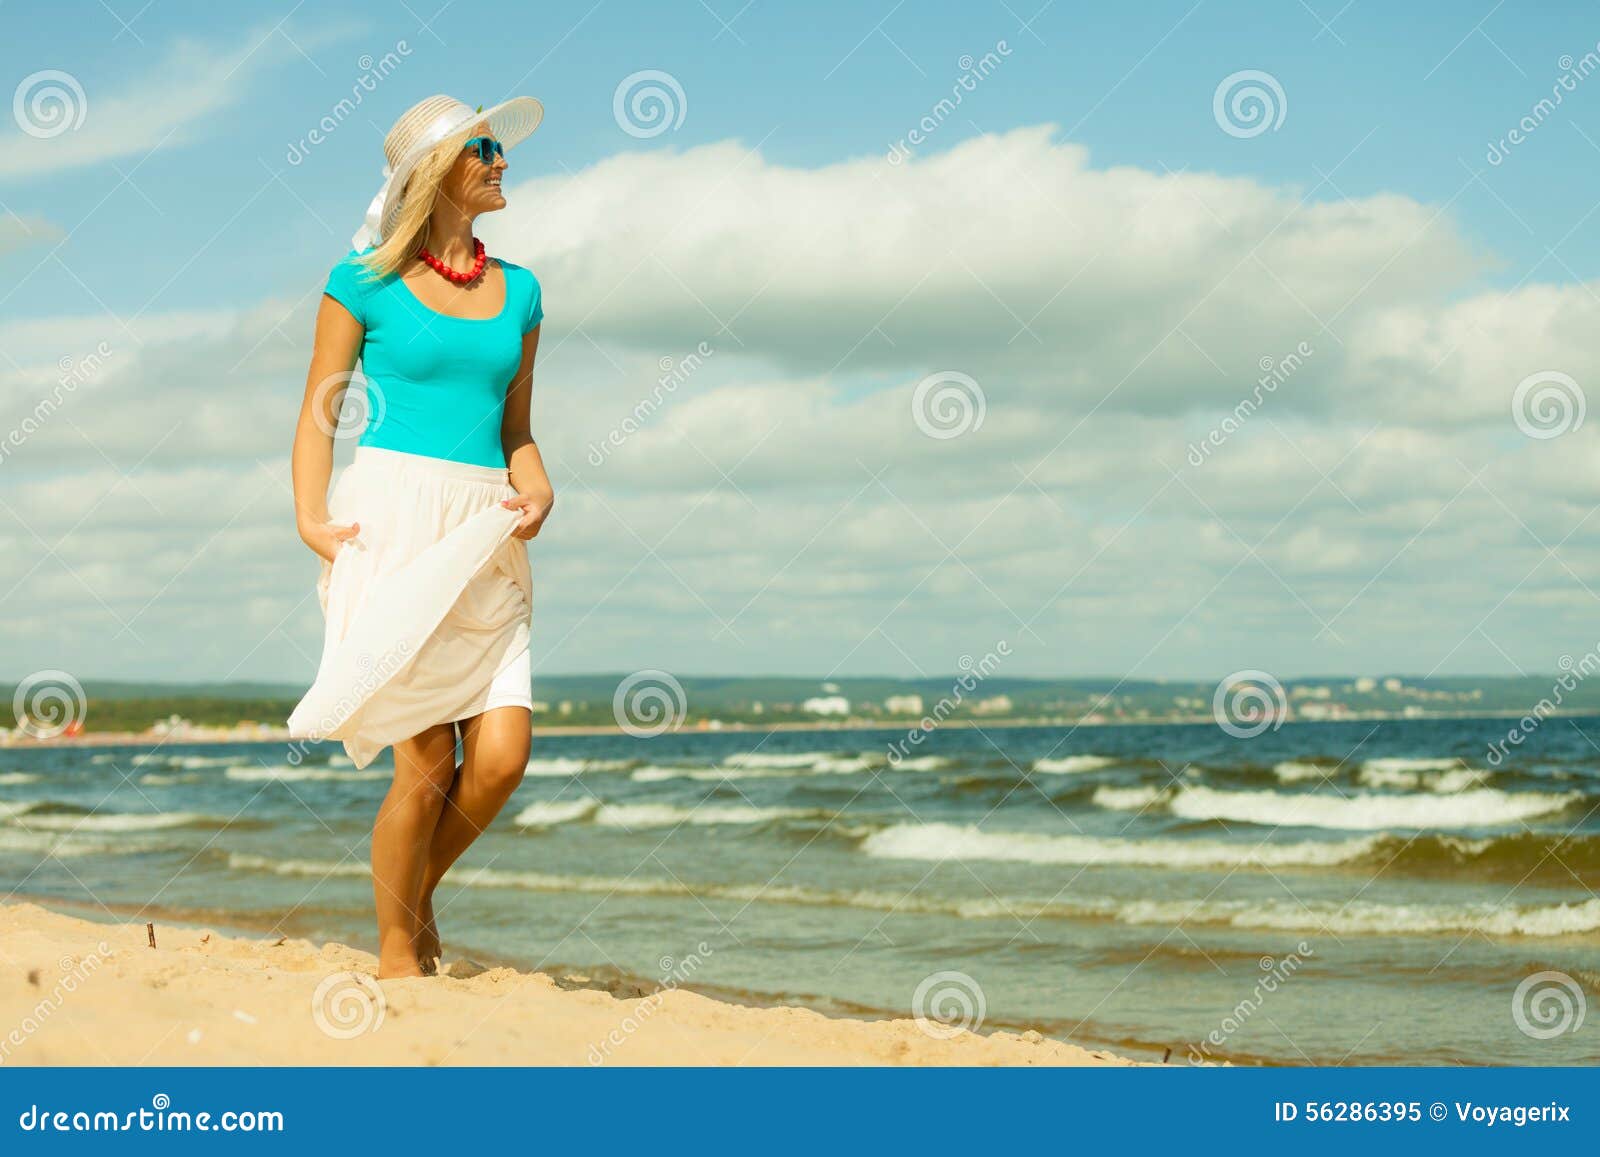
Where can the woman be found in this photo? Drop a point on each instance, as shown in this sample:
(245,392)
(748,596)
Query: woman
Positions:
(424,582)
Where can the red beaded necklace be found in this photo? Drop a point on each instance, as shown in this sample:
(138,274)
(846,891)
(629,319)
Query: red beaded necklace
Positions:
(456,275)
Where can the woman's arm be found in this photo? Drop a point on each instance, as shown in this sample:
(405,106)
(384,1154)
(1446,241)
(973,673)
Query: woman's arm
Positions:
(535,495)
(333,356)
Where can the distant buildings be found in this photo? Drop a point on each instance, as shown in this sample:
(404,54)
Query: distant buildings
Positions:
(903,705)
(994,705)
(827,705)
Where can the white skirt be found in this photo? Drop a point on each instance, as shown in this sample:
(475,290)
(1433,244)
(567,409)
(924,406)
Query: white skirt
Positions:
(427,607)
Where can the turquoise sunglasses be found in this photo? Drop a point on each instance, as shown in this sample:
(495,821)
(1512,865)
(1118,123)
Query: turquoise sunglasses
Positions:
(487,149)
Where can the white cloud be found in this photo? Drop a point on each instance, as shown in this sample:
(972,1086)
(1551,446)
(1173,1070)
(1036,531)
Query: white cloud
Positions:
(781,510)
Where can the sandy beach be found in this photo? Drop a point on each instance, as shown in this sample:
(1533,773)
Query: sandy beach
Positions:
(75,992)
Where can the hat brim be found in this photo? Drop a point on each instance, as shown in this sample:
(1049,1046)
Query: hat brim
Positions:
(510,122)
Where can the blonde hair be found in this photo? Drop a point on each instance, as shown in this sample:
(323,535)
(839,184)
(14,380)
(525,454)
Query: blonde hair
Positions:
(410,231)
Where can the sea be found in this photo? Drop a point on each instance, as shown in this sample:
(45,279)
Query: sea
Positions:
(1378,892)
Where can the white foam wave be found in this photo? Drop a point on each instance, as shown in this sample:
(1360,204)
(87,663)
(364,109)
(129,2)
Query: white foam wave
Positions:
(1377,919)
(1481,807)
(17,778)
(193,762)
(553,812)
(1432,763)
(114,821)
(16,807)
(778,759)
(284,773)
(1295,771)
(1072,764)
(939,842)
(1448,782)
(563,767)
(1127,798)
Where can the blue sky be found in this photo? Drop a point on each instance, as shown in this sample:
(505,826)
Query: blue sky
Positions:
(1083,247)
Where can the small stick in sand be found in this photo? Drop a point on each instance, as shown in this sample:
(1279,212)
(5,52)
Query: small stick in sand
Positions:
(150,931)
(1166,1056)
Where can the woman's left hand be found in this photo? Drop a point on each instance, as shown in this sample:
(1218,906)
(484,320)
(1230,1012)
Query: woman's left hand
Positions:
(535,509)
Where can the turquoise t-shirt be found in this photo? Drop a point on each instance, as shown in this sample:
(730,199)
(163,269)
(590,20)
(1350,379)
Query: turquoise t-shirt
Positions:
(436,385)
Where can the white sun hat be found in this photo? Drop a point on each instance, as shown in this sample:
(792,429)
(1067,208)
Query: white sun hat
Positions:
(423,126)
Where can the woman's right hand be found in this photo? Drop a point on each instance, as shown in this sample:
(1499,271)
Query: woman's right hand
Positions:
(325,538)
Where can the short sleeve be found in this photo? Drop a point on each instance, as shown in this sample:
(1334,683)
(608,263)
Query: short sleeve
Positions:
(535,305)
(348,285)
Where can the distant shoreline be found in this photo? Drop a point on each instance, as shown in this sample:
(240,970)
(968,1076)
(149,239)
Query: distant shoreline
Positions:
(280,735)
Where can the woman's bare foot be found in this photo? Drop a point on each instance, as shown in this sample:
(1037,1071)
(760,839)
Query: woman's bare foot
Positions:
(399,969)
(429,949)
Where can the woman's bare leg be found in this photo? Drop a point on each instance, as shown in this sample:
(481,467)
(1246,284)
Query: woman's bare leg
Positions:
(495,749)
(424,769)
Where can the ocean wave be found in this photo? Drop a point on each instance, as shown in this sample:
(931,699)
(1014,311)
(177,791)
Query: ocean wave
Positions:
(653,815)
(11,808)
(161,779)
(779,759)
(1131,799)
(561,767)
(1551,920)
(1298,771)
(283,773)
(1072,764)
(1445,782)
(1427,763)
(114,821)
(44,843)
(1476,808)
(1360,918)
(193,762)
(939,842)
(17,778)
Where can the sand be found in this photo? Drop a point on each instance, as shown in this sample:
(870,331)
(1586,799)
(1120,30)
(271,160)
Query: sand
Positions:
(75,992)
